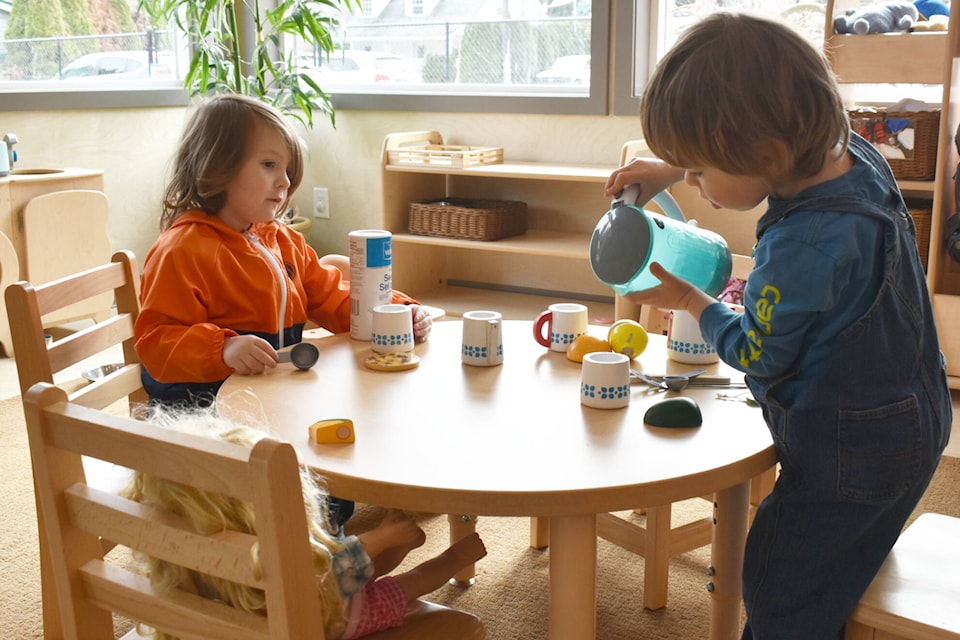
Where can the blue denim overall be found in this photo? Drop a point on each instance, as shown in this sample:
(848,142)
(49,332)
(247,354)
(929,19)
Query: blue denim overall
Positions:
(857,445)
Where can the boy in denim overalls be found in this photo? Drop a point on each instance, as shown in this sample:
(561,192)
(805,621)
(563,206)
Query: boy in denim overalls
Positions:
(837,341)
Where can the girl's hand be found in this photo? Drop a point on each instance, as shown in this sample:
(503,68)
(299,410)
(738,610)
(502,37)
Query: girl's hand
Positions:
(672,293)
(422,323)
(248,355)
(652,174)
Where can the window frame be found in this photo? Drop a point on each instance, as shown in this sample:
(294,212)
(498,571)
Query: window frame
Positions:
(23,97)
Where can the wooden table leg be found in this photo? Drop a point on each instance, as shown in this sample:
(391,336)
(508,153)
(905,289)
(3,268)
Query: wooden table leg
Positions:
(730,514)
(573,577)
(539,532)
(460,527)
(656,557)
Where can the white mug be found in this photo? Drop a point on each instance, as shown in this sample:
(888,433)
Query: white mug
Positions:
(685,343)
(565,322)
(605,380)
(482,338)
(391,328)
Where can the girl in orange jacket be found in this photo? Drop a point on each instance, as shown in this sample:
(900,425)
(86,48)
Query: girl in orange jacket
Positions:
(227,283)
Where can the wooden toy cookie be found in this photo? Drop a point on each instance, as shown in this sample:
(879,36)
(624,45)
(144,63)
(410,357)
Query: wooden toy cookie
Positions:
(392,361)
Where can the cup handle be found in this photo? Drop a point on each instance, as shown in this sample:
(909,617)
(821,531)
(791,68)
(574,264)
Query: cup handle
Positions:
(545,317)
(493,330)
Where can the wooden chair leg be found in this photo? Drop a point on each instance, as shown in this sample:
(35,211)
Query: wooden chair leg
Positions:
(50,604)
(656,559)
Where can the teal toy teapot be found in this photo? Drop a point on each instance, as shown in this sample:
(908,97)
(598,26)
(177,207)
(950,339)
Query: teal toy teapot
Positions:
(627,239)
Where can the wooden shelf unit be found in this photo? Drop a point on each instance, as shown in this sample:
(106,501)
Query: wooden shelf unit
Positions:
(518,276)
(926,58)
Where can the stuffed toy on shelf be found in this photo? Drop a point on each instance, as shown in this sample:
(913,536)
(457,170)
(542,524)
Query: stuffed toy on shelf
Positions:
(934,15)
(883,17)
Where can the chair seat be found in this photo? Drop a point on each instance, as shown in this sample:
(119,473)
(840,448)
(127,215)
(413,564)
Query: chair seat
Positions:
(916,594)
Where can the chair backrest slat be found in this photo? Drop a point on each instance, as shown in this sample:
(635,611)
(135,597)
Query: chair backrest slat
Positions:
(228,555)
(117,589)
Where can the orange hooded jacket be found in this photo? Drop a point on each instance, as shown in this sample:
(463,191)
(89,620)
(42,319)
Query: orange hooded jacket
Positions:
(204,281)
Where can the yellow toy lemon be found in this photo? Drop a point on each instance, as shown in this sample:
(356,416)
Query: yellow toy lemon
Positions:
(582,345)
(627,337)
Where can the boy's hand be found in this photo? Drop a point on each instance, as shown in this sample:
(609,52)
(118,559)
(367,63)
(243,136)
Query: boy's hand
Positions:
(248,355)
(422,323)
(652,174)
(672,293)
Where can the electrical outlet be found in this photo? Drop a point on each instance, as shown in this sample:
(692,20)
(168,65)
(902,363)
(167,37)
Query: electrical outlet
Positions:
(321,202)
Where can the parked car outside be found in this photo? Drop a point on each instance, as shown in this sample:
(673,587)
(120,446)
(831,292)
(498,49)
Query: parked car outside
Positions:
(366,67)
(567,70)
(114,65)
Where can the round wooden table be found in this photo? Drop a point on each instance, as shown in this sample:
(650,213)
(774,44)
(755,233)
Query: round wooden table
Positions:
(514,440)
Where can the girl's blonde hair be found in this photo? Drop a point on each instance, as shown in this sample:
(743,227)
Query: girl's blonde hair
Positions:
(210,513)
(745,95)
(212,148)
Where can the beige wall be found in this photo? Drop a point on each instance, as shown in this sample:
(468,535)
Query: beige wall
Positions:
(133,148)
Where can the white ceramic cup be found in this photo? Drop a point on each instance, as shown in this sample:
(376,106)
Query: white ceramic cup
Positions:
(605,380)
(482,338)
(565,322)
(685,343)
(391,328)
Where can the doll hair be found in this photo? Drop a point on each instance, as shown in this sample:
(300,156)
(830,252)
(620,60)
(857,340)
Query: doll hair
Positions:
(213,147)
(745,95)
(210,512)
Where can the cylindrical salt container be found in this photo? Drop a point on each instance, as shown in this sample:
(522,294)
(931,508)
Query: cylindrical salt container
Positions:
(371,277)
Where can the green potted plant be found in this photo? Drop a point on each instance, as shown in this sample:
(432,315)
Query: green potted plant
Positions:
(219,61)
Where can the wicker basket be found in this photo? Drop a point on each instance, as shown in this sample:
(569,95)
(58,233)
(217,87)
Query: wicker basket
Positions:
(468,219)
(921,218)
(908,139)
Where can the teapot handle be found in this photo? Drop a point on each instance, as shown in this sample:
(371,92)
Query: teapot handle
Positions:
(664,200)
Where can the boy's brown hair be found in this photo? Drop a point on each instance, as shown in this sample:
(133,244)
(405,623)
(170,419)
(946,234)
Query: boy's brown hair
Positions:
(745,95)
(212,148)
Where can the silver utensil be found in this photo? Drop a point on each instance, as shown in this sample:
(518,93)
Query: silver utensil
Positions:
(303,355)
(679,382)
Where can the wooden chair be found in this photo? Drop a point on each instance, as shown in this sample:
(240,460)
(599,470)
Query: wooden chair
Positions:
(658,540)
(91,588)
(916,594)
(28,309)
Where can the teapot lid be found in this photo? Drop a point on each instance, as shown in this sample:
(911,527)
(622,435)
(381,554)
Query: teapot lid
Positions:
(620,244)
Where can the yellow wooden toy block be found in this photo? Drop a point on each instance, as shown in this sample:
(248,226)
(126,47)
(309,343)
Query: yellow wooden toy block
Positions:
(332,431)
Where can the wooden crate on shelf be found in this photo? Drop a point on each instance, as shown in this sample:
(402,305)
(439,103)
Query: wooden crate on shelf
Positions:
(445,156)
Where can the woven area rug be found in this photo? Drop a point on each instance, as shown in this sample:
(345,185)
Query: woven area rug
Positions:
(511,589)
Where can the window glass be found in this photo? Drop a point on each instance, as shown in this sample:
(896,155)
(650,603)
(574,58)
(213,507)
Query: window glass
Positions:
(434,55)
(653,26)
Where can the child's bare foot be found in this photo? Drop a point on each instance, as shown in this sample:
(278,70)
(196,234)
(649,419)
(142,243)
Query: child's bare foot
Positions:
(434,573)
(390,542)
(467,550)
(403,530)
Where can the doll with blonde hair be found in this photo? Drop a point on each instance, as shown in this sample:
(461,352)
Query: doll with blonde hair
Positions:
(356,594)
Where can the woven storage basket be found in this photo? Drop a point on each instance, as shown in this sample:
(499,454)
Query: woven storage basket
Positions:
(910,134)
(468,219)
(922,218)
